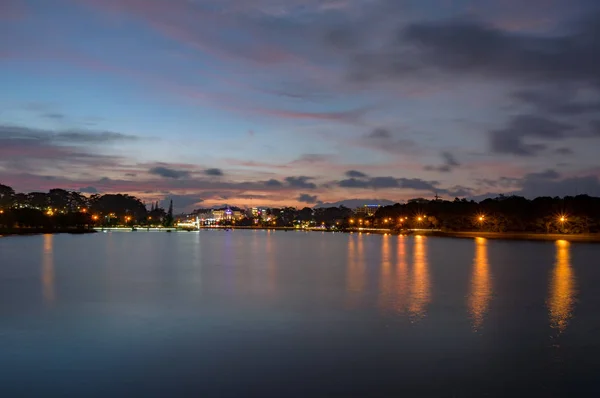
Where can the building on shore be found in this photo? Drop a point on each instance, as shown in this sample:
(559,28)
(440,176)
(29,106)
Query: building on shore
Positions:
(366,210)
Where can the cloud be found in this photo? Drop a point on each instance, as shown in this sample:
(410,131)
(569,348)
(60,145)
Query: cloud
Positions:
(467,47)
(182,202)
(563,151)
(380,133)
(355,174)
(71,136)
(549,184)
(511,139)
(89,189)
(549,174)
(169,173)
(36,150)
(389,182)
(306,198)
(382,139)
(556,101)
(312,158)
(354,203)
(93,137)
(54,116)
(301,182)
(273,183)
(449,164)
(354,183)
(214,172)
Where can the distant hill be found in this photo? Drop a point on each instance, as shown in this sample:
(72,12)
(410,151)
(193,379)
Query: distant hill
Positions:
(354,203)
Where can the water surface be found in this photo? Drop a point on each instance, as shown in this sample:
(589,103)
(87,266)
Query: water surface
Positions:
(295,314)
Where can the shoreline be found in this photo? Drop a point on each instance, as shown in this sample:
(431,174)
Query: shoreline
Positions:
(527,236)
(4,232)
(523,236)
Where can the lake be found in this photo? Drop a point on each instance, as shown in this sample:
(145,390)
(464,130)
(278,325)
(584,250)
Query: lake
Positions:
(296,314)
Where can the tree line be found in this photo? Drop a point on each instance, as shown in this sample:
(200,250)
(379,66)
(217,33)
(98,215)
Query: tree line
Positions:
(66,209)
(571,214)
(60,209)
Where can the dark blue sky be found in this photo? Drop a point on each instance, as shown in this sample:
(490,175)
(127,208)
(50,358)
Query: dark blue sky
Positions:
(272,102)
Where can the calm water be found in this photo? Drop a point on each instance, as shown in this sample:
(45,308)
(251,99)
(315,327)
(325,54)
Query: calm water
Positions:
(292,314)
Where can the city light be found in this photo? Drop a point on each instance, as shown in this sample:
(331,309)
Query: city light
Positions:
(84,210)
(351,221)
(95,217)
(562,218)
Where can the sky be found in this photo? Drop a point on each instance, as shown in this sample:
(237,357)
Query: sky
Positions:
(300,102)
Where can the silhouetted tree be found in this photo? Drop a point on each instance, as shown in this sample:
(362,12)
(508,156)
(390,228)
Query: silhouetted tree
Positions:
(169,218)
(7,196)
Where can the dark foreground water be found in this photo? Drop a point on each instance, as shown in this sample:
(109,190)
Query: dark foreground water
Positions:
(292,314)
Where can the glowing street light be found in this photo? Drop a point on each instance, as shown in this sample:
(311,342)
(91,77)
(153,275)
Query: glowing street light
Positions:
(351,221)
(95,217)
(562,219)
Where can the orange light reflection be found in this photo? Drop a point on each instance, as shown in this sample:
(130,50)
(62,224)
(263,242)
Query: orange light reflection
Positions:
(420,294)
(48,292)
(481,284)
(561,298)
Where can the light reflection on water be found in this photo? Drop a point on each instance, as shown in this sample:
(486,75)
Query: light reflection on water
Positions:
(481,285)
(562,292)
(208,308)
(387,289)
(420,291)
(355,280)
(48,292)
(394,276)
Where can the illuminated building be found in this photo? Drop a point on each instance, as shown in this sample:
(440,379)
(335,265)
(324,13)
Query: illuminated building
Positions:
(366,210)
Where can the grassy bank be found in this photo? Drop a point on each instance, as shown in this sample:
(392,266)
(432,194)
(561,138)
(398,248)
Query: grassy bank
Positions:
(38,231)
(588,238)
